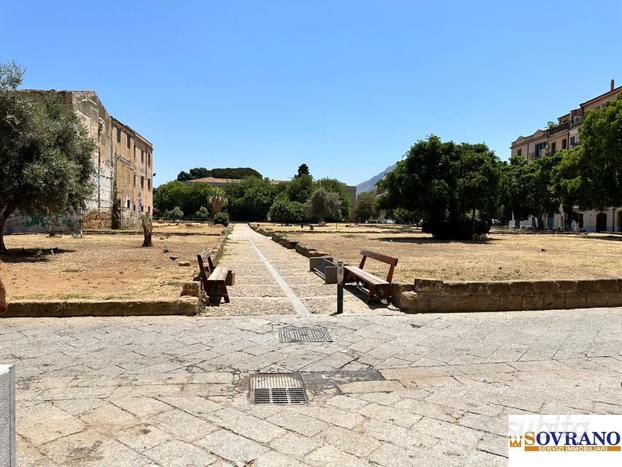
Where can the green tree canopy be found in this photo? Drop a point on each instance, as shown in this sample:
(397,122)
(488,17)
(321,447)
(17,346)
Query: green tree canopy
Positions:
(45,153)
(299,188)
(365,207)
(323,205)
(335,186)
(251,198)
(188,196)
(303,169)
(225,172)
(285,211)
(449,184)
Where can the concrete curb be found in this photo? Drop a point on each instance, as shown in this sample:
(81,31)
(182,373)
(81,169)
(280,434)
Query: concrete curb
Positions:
(62,309)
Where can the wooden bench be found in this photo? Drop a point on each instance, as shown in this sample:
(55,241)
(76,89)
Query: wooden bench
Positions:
(377,287)
(214,279)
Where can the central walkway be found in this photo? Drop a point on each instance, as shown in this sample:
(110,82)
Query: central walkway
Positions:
(271,279)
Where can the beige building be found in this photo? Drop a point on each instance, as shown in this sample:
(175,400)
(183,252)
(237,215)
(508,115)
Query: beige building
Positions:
(563,135)
(123,162)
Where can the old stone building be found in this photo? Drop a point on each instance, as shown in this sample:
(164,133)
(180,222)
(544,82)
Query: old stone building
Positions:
(123,176)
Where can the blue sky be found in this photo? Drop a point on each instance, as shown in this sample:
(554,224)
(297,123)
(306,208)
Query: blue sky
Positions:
(345,86)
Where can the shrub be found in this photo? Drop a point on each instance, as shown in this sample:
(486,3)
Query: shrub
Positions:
(221,218)
(202,213)
(286,212)
(465,230)
(175,213)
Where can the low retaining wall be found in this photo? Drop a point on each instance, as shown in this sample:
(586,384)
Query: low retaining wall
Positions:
(62,309)
(429,295)
(7,416)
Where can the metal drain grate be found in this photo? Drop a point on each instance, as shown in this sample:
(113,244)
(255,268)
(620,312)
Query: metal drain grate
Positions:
(293,334)
(277,388)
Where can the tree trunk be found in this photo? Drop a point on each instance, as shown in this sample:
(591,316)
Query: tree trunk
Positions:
(147,231)
(4,215)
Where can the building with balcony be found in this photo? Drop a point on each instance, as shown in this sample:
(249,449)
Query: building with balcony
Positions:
(564,135)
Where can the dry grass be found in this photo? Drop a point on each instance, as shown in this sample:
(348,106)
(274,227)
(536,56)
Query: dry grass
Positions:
(102,267)
(501,257)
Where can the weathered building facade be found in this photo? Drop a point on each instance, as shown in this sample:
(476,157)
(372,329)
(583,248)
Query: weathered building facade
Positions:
(123,175)
(565,134)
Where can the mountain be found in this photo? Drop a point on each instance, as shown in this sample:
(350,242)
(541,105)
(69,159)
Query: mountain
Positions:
(370,185)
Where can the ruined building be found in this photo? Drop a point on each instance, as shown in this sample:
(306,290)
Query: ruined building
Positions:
(123,161)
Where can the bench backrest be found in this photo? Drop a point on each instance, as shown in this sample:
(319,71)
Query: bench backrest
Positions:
(204,272)
(390,260)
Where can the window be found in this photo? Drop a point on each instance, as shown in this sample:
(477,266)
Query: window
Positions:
(129,204)
(539,149)
(520,152)
(134,179)
(142,182)
(572,141)
(129,141)
(564,143)
(141,208)
(142,156)
(118,135)
(553,147)
(149,184)
(149,159)
(148,209)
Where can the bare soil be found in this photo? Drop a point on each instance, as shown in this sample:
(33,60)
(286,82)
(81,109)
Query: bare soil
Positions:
(101,267)
(500,257)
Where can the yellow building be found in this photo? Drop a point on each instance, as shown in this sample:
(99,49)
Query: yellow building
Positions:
(562,135)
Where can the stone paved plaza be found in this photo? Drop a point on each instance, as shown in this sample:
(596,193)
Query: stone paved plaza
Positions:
(391,389)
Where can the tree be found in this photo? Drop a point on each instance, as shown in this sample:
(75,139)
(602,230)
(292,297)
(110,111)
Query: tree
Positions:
(285,211)
(334,185)
(300,188)
(323,205)
(147,230)
(365,207)
(45,154)
(303,169)
(599,182)
(251,198)
(455,187)
(183,176)
(226,172)
(217,202)
(188,196)
(175,213)
(202,213)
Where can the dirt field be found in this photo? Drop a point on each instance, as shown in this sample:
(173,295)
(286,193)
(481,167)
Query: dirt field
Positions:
(102,267)
(501,257)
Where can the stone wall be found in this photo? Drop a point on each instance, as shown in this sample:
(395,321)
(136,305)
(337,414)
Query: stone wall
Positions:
(7,415)
(429,295)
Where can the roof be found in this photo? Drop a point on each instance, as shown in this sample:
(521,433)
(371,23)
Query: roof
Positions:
(131,130)
(606,94)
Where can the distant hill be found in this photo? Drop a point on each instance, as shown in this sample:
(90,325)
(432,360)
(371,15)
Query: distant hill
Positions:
(370,185)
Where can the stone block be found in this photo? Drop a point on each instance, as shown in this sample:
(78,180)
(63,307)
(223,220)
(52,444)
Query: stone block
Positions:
(566,286)
(190,289)
(532,301)
(447,303)
(428,285)
(575,300)
(397,288)
(414,302)
(554,301)
(500,288)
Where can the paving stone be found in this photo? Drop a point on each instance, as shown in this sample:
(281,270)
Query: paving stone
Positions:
(109,417)
(370,386)
(142,436)
(44,422)
(177,453)
(182,425)
(330,455)
(350,441)
(299,423)
(392,415)
(232,447)
(247,425)
(295,445)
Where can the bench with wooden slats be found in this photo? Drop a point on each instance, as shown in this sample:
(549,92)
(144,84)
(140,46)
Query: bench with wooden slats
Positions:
(377,288)
(214,279)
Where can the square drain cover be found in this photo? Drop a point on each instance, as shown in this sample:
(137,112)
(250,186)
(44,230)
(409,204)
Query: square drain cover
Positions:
(293,334)
(277,388)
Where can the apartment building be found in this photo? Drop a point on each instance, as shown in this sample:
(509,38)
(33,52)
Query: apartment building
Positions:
(564,134)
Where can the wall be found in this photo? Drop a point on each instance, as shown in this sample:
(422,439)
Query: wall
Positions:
(429,295)
(7,415)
